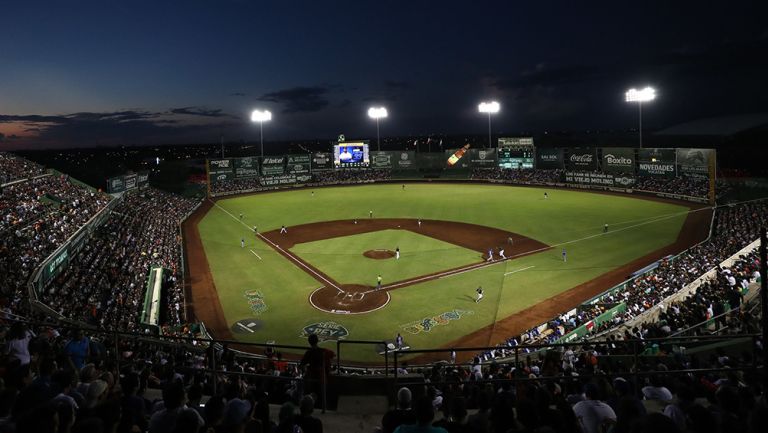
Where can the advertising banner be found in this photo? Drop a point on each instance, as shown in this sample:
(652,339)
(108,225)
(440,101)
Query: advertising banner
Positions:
(220,177)
(618,160)
(220,165)
(582,159)
(247,162)
(299,164)
(549,158)
(285,179)
(130,181)
(515,141)
(599,179)
(273,165)
(404,160)
(694,161)
(462,162)
(115,184)
(664,156)
(482,158)
(322,161)
(431,161)
(143,178)
(659,169)
(381,159)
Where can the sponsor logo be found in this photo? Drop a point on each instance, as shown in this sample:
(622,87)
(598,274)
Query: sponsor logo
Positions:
(695,157)
(621,160)
(404,156)
(256,301)
(626,181)
(143,177)
(549,157)
(321,158)
(482,154)
(657,168)
(326,331)
(428,323)
(583,158)
(246,163)
(383,159)
(221,177)
(58,261)
(220,163)
(275,161)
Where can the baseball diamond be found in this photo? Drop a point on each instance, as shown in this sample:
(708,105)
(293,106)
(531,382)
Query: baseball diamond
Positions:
(321,269)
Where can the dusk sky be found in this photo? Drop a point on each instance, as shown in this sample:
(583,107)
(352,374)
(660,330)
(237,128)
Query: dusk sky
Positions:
(86,73)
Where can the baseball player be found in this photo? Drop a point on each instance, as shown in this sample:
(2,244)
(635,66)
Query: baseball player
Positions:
(419,222)
(283,229)
(565,255)
(479,291)
(605,228)
(490,255)
(370,214)
(399,341)
(241,216)
(378,282)
(256,229)
(403,187)
(501,254)
(242,242)
(545,195)
(397,253)
(313,193)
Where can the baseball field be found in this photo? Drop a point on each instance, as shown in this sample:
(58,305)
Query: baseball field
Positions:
(252,283)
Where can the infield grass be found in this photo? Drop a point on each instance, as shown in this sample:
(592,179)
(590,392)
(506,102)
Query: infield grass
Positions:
(342,258)
(568,219)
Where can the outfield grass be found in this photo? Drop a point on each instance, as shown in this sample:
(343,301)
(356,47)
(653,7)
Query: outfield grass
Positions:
(568,219)
(342,258)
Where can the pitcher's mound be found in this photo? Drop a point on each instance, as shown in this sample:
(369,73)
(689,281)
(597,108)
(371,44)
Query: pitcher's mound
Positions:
(379,254)
(348,299)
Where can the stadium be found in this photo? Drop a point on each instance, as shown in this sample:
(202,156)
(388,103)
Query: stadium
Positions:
(189,268)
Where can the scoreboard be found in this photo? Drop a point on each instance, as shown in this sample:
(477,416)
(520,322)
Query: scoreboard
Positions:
(517,158)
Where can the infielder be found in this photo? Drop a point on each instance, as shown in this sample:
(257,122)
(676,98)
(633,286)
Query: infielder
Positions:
(397,253)
(545,195)
(419,222)
(241,216)
(370,214)
(479,294)
(242,242)
(283,229)
(605,228)
(565,256)
(378,282)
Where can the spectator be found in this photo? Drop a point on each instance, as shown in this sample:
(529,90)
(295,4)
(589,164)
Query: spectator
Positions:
(305,420)
(425,413)
(401,414)
(593,414)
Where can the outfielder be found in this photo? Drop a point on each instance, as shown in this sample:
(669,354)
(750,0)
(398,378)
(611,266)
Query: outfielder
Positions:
(378,282)
(565,256)
(242,242)
(605,228)
(283,229)
(479,291)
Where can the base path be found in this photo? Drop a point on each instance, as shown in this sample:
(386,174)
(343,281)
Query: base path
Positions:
(338,298)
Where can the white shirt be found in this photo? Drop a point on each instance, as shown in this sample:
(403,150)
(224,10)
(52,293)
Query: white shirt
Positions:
(591,414)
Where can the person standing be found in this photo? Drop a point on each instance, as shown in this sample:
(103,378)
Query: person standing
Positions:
(283,229)
(241,216)
(501,254)
(490,255)
(399,341)
(242,242)
(397,253)
(419,222)
(479,292)
(370,214)
(316,364)
(545,195)
(605,228)
(378,282)
(565,255)
(402,414)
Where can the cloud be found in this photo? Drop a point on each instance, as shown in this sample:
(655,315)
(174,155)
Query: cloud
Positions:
(395,84)
(199,111)
(299,99)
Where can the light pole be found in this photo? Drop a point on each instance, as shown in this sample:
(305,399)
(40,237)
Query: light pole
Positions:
(261,116)
(490,108)
(377,113)
(640,96)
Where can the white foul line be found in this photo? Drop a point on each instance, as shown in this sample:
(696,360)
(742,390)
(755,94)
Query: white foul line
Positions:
(518,270)
(254,253)
(245,327)
(297,261)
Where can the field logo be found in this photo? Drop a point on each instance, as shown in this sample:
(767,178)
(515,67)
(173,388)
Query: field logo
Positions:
(256,301)
(326,331)
(428,323)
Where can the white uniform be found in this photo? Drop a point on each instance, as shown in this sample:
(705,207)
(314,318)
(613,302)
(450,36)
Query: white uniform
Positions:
(283,229)
(397,254)
(479,294)
(501,253)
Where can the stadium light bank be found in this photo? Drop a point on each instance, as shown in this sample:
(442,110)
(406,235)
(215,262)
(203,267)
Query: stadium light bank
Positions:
(377,113)
(492,107)
(261,116)
(644,95)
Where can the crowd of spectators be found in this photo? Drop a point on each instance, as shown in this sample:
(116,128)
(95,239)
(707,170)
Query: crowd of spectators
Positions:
(522,176)
(350,176)
(104,283)
(236,185)
(36,217)
(735,227)
(682,185)
(14,168)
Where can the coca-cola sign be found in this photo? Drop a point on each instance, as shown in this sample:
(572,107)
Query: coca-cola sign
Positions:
(582,159)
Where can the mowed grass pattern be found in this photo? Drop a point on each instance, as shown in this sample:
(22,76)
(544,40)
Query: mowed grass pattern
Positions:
(568,219)
(342,258)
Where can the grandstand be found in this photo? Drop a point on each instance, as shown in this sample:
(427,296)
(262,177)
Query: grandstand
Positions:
(98,319)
